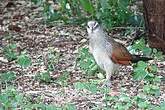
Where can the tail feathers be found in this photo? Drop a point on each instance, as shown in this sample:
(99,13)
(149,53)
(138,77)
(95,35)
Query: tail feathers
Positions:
(136,58)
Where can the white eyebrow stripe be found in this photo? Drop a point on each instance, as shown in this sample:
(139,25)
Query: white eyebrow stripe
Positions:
(95,26)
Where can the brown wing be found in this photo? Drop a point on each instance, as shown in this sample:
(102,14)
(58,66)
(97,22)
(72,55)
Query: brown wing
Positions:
(120,54)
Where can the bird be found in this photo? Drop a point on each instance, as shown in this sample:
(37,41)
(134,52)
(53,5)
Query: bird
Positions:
(108,53)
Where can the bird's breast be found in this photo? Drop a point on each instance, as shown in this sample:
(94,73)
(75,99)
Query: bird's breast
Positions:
(101,57)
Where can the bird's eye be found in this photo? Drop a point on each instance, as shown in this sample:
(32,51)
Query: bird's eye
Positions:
(88,26)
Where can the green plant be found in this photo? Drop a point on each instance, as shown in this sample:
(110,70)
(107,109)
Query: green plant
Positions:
(69,107)
(109,12)
(63,79)
(7,77)
(86,85)
(143,72)
(43,77)
(24,60)
(86,62)
(52,59)
(10,52)
(113,12)
(146,72)
(158,54)
(123,101)
(141,47)
(151,89)
(11,99)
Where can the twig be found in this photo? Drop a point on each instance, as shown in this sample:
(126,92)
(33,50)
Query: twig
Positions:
(127,27)
(140,82)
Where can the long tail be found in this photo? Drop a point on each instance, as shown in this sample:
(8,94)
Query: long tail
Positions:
(136,58)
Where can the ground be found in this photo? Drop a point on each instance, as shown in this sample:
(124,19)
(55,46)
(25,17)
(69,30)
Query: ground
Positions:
(24,23)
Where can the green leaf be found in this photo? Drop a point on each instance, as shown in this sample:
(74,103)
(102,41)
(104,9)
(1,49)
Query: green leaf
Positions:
(92,87)
(158,54)
(10,52)
(52,107)
(87,6)
(79,85)
(37,2)
(147,51)
(143,105)
(157,79)
(104,4)
(24,61)
(124,98)
(44,76)
(136,20)
(151,89)
(70,107)
(124,3)
(162,105)
(3,99)
(7,77)
(140,71)
(88,86)
(139,44)
(139,75)
(63,79)
(154,68)
(142,65)
(87,63)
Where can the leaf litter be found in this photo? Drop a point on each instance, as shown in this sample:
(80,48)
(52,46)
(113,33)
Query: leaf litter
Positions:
(24,24)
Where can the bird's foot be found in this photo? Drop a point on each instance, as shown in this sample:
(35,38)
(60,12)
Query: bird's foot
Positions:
(107,83)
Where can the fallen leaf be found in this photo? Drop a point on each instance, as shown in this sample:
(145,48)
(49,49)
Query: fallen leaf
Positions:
(2,33)
(18,17)
(14,28)
(114,93)
(10,4)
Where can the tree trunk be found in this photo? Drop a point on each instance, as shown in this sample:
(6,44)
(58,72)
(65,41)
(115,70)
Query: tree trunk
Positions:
(154,14)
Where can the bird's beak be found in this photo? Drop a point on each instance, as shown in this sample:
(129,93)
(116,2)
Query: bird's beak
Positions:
(92,29)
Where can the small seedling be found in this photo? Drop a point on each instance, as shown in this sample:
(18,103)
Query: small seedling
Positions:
(10,52)
(43,77)
(24,60)
(87,63)
(63,79)
(109,12)
(7,76)
(51,59)
(86,85)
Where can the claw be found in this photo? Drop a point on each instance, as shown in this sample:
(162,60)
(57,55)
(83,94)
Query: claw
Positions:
(107,83)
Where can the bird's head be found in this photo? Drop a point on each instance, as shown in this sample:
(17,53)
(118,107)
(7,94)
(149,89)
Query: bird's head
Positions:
(93,27)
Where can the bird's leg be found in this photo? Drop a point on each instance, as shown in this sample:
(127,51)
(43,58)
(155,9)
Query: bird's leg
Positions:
(90,49)
(107,82)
